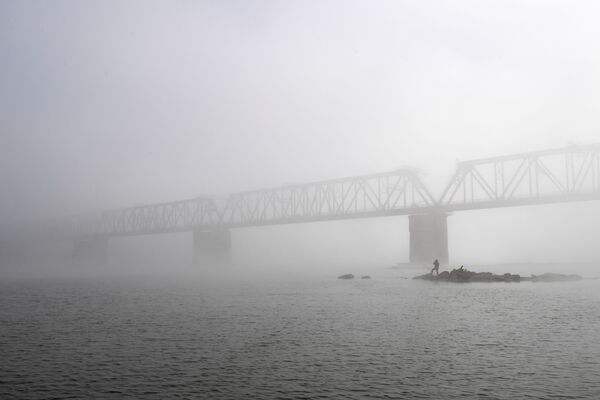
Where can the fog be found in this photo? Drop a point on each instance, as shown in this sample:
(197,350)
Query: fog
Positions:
(115,104)
(155,244)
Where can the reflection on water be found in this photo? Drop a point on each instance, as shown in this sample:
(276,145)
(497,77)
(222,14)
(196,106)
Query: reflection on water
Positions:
(378,338)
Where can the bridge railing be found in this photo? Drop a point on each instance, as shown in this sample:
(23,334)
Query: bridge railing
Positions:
(567,174)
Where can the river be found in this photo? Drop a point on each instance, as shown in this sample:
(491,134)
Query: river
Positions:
(154,337)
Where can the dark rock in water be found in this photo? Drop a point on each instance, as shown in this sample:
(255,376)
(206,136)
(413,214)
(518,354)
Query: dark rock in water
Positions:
(463,275)
(365,277)
(346,276)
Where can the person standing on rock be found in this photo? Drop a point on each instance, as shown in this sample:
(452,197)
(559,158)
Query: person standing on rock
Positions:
(436,267)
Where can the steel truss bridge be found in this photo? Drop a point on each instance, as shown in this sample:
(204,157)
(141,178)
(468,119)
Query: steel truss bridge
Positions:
(560,175)
(551,176)
(392,193)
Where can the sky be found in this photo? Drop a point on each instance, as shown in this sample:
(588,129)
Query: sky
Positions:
(107,104)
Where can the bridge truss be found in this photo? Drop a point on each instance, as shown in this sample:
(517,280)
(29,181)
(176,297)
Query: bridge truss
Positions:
(175,216)
(560,175)
(398,192)
(551,176)
(393,193)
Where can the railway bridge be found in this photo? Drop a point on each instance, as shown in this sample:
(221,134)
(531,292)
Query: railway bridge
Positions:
(551,176)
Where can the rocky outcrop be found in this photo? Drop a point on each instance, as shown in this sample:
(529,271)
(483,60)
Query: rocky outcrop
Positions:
(463,275)
(346,276)
(443,275)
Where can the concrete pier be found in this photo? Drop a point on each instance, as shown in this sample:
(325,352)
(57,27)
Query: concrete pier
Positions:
(91,251)
(212,248)
(428,238)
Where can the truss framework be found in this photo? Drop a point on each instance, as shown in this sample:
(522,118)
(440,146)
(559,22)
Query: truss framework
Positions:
(568,174)
(176,216)
(560,175)
(393,193)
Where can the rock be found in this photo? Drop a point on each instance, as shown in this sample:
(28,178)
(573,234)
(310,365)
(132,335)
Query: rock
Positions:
(484,277)
(365,277)
(444,275)
(346,276)
(457,275)
(464,275)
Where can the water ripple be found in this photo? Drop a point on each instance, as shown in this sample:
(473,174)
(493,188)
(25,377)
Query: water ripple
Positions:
(328,339)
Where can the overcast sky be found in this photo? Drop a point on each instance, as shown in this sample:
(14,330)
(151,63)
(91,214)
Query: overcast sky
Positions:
(106,104)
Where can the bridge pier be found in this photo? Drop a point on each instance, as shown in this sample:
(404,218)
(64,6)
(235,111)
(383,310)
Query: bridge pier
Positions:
(91,250)
(212,248)
(428,238)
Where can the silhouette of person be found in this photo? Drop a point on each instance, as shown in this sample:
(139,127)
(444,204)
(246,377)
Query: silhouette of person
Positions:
(436,267)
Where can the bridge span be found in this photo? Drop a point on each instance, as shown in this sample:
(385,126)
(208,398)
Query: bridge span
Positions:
(550,176)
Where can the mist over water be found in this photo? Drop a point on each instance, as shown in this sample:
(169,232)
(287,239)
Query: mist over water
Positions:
(110,106)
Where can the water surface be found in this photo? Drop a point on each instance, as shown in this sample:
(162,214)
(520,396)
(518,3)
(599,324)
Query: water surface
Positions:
(308,338)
